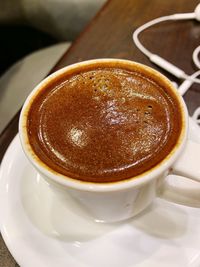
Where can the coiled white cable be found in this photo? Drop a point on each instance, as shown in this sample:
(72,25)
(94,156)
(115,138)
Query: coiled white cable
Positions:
(144,27)
(161,62)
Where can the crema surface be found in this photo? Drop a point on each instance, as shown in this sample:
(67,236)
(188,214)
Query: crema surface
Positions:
(104,124)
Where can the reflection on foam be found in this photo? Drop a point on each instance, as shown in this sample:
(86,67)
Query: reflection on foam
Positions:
(112,113)
(132,93)
(78,137)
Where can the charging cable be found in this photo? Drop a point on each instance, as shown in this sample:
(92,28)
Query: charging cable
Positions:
(161,62)
(183,88)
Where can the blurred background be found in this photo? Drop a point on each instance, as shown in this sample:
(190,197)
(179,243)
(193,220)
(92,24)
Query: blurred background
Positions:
(34,35)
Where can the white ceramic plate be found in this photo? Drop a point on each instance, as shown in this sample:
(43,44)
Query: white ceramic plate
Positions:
(41,231)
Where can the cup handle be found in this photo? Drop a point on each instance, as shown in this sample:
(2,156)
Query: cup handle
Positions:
(180,189)
(188,163)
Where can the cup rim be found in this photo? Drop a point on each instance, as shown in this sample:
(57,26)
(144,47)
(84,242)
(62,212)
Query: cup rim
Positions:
(136,181)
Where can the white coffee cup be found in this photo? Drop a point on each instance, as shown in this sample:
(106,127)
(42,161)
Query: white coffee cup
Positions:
(116,201)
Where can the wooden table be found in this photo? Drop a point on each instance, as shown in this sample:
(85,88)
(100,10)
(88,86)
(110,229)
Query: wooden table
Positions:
(109,34)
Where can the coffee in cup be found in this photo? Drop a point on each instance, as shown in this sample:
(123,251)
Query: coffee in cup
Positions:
(104,122)
(108,132)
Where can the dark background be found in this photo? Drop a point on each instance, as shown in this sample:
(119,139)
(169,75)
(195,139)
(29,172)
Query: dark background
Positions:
(19,41)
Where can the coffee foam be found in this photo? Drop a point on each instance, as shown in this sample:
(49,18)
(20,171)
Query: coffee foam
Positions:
(103,125)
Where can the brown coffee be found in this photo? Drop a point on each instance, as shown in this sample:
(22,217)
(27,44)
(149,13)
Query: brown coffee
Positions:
(104,123)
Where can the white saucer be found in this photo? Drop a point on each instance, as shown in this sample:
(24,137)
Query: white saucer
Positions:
(40,231)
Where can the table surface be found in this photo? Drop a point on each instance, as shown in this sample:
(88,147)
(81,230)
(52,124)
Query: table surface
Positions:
(109,35)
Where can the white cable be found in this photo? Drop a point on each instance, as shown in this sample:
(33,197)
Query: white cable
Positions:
(166,65)
(184,16)
(144,27)
(161,62)
(194,80)
(195,57)
(156,21)
(183,88)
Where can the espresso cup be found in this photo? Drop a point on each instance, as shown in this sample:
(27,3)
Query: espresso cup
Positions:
(117,200)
